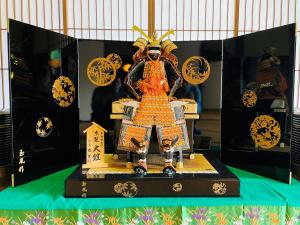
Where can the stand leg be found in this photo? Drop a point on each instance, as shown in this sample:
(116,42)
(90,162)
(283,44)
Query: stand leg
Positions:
(129,158)
(179,158)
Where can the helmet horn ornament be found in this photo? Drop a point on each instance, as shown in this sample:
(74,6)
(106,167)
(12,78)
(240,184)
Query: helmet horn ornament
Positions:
(153,39)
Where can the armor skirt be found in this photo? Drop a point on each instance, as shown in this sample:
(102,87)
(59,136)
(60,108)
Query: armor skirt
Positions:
(154,111)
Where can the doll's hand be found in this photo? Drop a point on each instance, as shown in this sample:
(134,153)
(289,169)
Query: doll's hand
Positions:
(172,98)
(138,97)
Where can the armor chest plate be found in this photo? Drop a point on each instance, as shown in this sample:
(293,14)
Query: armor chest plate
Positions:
(147,69)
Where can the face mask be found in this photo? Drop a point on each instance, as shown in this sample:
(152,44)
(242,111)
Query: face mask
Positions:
(153,53)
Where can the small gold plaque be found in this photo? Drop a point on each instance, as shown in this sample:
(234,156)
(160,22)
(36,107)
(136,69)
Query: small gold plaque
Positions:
(249,98)
(44,127)
(219,188)
(196,70)
(265,131)
(95,146)
(63,91)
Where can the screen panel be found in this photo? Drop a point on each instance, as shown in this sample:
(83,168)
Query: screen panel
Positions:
(44,102)
(257,93)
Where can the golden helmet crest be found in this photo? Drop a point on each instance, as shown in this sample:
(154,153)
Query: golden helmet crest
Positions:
(152,41)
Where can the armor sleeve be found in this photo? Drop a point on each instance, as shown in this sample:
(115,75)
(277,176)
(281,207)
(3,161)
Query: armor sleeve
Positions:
(174,77)
(133,76)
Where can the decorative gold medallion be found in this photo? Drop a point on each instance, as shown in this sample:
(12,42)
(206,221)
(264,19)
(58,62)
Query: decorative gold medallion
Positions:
(177,187)
(196,70)
(249,98)
(265,131)
(127,189)
(219,188)
(115,59)
(63,91)
(44,127)
(101,71)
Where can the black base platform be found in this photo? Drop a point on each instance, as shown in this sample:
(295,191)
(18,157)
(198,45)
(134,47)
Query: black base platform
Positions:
(224,183)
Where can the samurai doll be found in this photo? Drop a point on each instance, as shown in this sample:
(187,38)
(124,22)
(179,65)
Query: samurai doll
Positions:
(152,81)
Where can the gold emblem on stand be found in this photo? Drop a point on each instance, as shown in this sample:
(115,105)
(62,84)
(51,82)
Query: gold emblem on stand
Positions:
(177,187)
(127,189)
(265,131)
(94,147)
(196,70)
(102,71)
(44,127)
(219,188)
(249,98)
(63,91)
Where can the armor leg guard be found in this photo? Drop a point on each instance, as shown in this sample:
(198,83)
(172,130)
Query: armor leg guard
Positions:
(169,168)
(141,168)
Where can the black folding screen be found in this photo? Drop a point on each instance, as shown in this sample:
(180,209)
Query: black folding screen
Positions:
(44,101)
(257,101)
(50,94)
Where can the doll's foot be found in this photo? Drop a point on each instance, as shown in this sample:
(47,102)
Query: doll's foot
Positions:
(141,169)
(169,169)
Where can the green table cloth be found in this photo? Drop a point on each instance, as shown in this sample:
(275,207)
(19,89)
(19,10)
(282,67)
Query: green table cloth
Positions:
(262,201)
